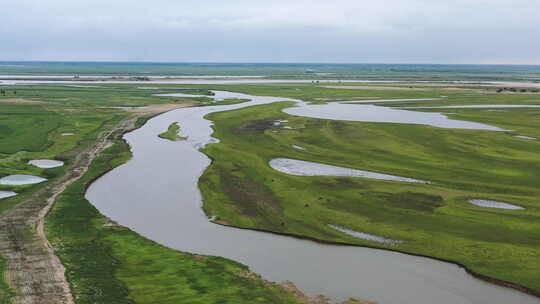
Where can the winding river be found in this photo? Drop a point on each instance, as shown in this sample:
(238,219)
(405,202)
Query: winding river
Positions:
(156,195)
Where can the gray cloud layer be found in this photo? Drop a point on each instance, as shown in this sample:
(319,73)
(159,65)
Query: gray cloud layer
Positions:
(385,31)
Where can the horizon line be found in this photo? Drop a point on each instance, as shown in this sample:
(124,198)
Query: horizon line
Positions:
(262,62)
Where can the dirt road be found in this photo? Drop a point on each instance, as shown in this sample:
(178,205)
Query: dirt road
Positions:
(33,271)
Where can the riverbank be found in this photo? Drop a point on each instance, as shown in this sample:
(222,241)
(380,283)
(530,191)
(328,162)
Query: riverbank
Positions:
(24,240)
(106,262)
(33,265)
(253,195)
(172,192)
(391,277)
(47,122)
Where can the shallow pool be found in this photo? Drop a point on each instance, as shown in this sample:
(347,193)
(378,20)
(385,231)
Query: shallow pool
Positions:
(21,179)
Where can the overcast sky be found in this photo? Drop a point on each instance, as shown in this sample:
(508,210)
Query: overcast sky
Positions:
(354,31)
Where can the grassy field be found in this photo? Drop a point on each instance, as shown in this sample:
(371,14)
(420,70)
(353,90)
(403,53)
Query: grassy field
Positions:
(5,292)
(228,101)
(41,122)
(172,133)
(432,219)
(107,263)
(297,70)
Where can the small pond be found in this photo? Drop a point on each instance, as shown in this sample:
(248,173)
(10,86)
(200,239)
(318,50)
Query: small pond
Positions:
(46,163)
(6,194)
(21,179)
(372,113)
(525,137)
(305,168)
(366,236)
(494,204)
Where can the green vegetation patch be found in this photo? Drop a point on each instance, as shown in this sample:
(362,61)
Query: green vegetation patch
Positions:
(26,128)
(106,263)
(228,101)
(411,200)
(6,294)
(172,133)
(110,264)
(241,189)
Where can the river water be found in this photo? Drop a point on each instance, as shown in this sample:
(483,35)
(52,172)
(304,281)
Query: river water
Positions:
(156,195)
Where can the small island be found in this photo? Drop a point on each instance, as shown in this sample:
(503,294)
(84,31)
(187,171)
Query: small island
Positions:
(172,133)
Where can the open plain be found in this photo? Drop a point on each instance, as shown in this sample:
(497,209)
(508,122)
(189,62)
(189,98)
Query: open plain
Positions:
(58,248)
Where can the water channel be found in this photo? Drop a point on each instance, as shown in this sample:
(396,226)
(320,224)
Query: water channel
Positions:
(156,195)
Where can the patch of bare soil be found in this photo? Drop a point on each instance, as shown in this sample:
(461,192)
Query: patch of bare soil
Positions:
(34,272)
(21,100)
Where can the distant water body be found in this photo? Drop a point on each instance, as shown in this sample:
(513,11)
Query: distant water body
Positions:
(266,69)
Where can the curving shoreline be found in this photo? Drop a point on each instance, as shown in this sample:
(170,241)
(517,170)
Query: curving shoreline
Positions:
(479,276)
(104,204)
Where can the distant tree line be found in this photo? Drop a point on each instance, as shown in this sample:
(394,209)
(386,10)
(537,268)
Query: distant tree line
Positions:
(514,90)
(3,92)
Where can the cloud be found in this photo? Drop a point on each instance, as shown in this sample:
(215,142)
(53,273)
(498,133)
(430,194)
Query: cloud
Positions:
(418,31)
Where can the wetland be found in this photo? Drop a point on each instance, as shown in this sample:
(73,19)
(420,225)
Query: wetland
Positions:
(210,206)
(236,193)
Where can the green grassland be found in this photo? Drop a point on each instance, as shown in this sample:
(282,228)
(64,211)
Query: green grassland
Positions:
(172,133)
(432,219)
(32,123)
(317,92)
(205,101)
(94,95)
(35,129)
(296,70)
(320,93)
(5,292)
(107,263)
